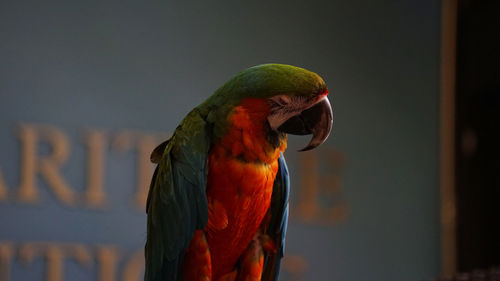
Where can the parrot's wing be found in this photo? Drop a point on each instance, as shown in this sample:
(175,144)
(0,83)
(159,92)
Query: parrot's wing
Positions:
(177,203)
(279,220)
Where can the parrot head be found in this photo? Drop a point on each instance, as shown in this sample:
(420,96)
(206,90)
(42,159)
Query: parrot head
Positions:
(296,99)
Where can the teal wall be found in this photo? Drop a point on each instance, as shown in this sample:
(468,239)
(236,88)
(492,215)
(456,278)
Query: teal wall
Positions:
(109,81)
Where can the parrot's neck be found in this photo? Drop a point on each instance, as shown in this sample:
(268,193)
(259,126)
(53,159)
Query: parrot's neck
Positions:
(249,136)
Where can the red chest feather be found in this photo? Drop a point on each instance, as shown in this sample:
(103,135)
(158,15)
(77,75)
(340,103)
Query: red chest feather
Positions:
(242,169)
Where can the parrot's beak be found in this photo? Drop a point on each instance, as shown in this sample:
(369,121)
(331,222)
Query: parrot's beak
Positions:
(316,120)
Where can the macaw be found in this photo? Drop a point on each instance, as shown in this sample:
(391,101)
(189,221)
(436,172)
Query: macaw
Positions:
(217,207)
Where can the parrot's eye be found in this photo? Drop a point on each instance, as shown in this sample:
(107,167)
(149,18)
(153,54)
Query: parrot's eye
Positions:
(279,101)
(284,100)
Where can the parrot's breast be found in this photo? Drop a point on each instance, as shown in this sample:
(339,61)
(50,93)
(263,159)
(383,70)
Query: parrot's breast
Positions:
(242,169)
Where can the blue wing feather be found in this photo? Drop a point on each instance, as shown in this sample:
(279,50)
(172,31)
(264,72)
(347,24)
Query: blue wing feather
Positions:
(177,202)
(279,221)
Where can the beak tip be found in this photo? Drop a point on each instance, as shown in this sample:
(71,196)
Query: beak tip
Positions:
(307,148)
(312,145)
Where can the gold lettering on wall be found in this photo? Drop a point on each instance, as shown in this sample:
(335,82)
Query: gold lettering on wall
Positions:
(145,169)
(55,255)
(331,183)
(27,189)
(27,253)
(6,253)
(54,259)
(144,145)
(45,149)
(55,263)
(295,266)
(96,145)
(316,184)
(107,257)
(3,187)
(80,253)
(308,205)
(48,166)
(135,267)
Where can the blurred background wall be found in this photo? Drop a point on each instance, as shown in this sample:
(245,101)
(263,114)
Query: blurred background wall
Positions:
(87,89)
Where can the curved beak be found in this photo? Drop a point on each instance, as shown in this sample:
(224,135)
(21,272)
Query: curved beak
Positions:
(316,120)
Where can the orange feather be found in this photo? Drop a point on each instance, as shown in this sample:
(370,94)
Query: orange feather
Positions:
(242,169)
